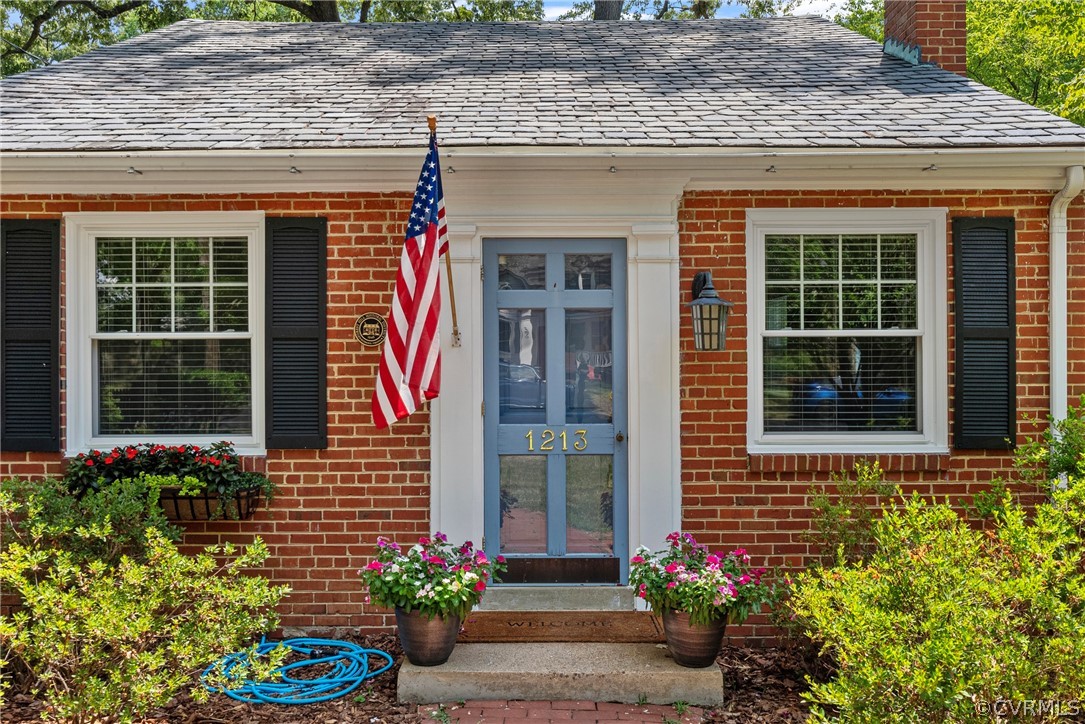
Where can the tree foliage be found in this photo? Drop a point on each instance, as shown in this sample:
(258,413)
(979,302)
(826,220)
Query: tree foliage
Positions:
(677,9)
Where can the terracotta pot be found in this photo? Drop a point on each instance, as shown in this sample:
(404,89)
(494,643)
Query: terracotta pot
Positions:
(427,641)
(692,646)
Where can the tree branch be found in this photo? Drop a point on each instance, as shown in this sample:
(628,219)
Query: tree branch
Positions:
(50,12)
(318,11)
(363,16)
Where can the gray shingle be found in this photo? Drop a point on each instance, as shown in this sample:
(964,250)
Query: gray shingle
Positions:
(776,83)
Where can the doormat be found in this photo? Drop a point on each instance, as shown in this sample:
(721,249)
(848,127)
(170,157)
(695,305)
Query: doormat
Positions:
(615,627)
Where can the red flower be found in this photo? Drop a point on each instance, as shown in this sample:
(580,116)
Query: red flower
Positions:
(109,460)
(480,586)
(90,462)
(131,453)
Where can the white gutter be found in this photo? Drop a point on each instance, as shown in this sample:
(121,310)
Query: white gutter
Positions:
(1056,225)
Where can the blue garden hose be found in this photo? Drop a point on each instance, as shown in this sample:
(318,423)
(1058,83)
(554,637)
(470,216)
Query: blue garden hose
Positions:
(349,662)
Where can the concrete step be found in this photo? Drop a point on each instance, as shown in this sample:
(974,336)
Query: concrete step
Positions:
(557,598)
(612,627)
(627,673)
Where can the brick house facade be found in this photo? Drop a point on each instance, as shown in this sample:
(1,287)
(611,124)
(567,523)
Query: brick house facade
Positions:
(695,459)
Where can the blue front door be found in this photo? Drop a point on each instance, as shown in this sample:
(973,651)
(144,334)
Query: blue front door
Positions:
(555,409)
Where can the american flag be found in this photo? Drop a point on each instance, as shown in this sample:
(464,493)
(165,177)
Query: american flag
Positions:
(410,365)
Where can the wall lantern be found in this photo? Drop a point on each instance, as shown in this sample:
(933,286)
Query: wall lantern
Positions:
(709,314)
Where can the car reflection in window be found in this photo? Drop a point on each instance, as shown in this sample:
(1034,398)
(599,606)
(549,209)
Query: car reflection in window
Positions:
(522,386)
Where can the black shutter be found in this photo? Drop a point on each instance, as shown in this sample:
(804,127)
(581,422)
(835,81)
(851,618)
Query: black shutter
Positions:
(985,404)
(30,337)
(296,333)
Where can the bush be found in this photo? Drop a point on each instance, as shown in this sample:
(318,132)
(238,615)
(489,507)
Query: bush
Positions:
(1057,452)
(112,620)
(843,523)
(943,617)
(101,525)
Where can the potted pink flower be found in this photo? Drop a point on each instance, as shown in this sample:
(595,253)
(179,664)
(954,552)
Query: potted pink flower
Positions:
(697,592)
(432,586)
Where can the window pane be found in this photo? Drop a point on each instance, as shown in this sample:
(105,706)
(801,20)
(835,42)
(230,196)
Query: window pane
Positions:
(899,306)
(153,309)
(841,384)
(153,260)
(821,306)
(860,306)
(782,307)
(859,257)
(782,258)
(819,257)
(898,257)
(589,504)
(521,271)
(193,309)
(231,260)
(191,259)
(521,366)
(114,261)
(589,371)
(587,271)
(231,309)
(114,309)
(523,503)
(174,387)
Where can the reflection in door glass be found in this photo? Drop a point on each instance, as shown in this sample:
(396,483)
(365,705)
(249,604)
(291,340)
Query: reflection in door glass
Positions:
(589,366)
(523,503)
(587,271)
(589,504)
(521,365)
(521,271)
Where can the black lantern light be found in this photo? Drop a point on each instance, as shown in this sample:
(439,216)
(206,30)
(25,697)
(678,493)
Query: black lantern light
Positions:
(709,314)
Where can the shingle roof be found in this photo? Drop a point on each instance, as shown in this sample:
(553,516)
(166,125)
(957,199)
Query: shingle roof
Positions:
(781,82)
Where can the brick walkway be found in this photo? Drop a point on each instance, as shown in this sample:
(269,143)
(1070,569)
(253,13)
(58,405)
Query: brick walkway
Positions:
(534,712)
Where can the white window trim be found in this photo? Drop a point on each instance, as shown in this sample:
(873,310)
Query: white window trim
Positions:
(929,226)
(80,231)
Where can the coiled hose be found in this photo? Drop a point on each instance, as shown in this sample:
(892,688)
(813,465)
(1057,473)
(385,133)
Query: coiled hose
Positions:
(349,668)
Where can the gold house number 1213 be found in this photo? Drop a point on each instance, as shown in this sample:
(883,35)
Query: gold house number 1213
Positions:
(548,437)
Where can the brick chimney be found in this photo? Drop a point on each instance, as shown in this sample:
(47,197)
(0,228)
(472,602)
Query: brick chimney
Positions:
(927,31)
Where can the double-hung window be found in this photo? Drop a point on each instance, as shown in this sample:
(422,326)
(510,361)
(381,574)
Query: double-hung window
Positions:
(165,337)
(847,345)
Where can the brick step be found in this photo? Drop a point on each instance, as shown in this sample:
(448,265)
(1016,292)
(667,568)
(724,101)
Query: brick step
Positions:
(561,626)
(628,673)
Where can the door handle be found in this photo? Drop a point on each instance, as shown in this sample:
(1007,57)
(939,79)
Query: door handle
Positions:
(619,437)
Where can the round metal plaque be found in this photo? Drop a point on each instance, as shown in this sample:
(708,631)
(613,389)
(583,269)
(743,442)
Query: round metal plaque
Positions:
(370,329)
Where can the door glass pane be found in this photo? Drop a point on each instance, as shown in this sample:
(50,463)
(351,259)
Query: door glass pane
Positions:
(522,503)
(589,504)
(521,366)
(521,271)
(587,271)
(589,366)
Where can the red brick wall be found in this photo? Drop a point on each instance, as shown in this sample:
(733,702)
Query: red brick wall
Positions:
(335,502)
(936,26)
(759,502)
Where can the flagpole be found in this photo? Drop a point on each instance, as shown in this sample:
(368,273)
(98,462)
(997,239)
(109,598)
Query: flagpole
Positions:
(448,265)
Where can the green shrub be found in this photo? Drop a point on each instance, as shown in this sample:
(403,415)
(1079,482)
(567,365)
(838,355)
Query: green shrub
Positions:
(843,522)
(101,525)
(942,617)
(118,640)
(1057,451)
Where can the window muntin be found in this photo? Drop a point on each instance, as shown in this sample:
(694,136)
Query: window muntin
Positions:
(841,283)
(172,351)
(847,344)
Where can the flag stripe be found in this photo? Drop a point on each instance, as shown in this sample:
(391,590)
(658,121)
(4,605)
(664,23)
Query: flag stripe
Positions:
(410,366)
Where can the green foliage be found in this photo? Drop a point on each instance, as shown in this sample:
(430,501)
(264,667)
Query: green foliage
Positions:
(216,468)
(866,17)
(432,577)
(101,525)
(942,616)
(843,521)
(1033,51)
(1057,451)
(693,9)
(686,577)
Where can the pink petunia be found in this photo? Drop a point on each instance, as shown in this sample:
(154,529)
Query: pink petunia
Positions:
(375,566)
(672,567)
(637,559)
(480,586)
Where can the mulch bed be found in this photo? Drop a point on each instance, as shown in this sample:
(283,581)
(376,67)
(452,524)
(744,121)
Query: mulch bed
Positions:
(763,686)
